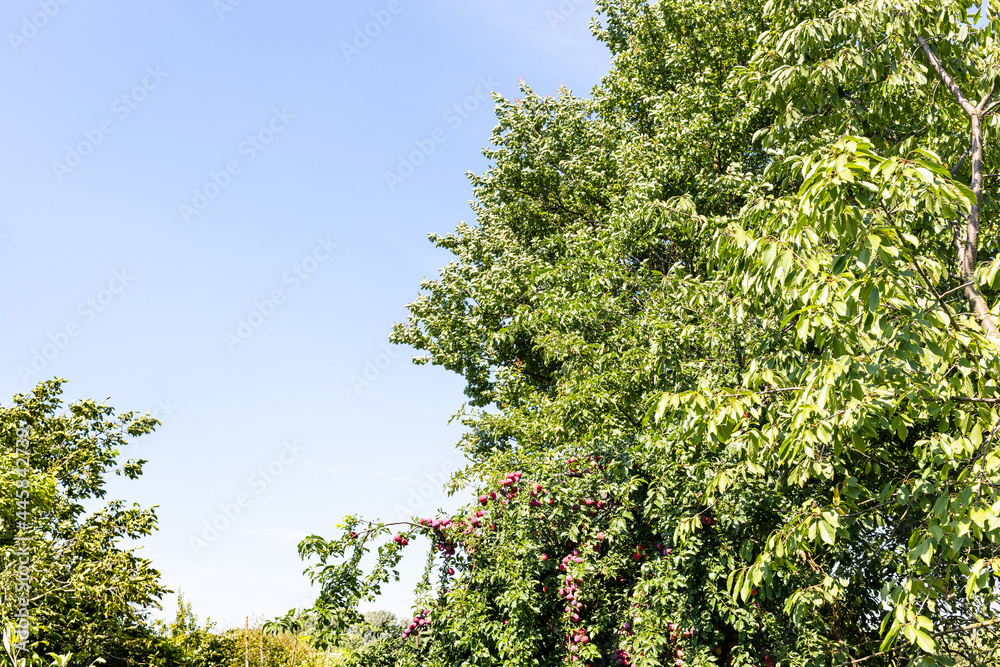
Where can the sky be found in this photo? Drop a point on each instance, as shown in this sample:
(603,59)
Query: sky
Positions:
(214,211)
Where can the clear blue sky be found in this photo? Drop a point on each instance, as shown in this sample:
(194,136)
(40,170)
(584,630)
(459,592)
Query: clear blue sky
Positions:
(169,169)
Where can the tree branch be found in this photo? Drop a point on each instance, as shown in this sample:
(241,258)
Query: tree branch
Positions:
(961,160)
(940,299)
(971,399)
(969,247)
(946,78)
(986,100)
(967,628)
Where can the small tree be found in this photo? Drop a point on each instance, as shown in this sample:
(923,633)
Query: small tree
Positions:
(82,592)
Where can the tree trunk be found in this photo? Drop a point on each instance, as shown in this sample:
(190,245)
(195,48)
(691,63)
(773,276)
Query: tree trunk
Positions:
(968,248)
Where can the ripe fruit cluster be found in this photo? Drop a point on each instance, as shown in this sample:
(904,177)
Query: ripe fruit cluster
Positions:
(438,527)
(535,492)
(590,508)
(573,557)
(571,592)
(620,657)
(574,640)
(420,620)
(511,479)
(675,634)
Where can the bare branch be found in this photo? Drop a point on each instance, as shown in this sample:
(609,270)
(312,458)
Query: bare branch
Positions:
(986,100)
(946,78)
(971,399)
(940,298)
(961,160)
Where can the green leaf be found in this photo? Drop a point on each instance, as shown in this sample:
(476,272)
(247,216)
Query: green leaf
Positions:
(926,642)
(873,299)
(827,532)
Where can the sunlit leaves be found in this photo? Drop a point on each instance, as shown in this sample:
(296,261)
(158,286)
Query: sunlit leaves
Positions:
(90,589)
(730,275)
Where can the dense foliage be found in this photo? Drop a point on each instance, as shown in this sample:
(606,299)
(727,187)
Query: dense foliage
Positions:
(62,558)
(187,643)
(729,329)
(729,333)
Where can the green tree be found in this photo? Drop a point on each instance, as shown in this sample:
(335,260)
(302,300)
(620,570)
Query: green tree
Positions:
(375,642)
(88,594)
(869,267)
(186,643)
(729,334)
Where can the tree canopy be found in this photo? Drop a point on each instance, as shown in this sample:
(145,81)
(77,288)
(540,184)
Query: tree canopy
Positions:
(729,332)
(66,569)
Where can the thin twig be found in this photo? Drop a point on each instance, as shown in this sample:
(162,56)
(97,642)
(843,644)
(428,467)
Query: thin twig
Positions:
(967,628)
(958,165)
(954,289)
